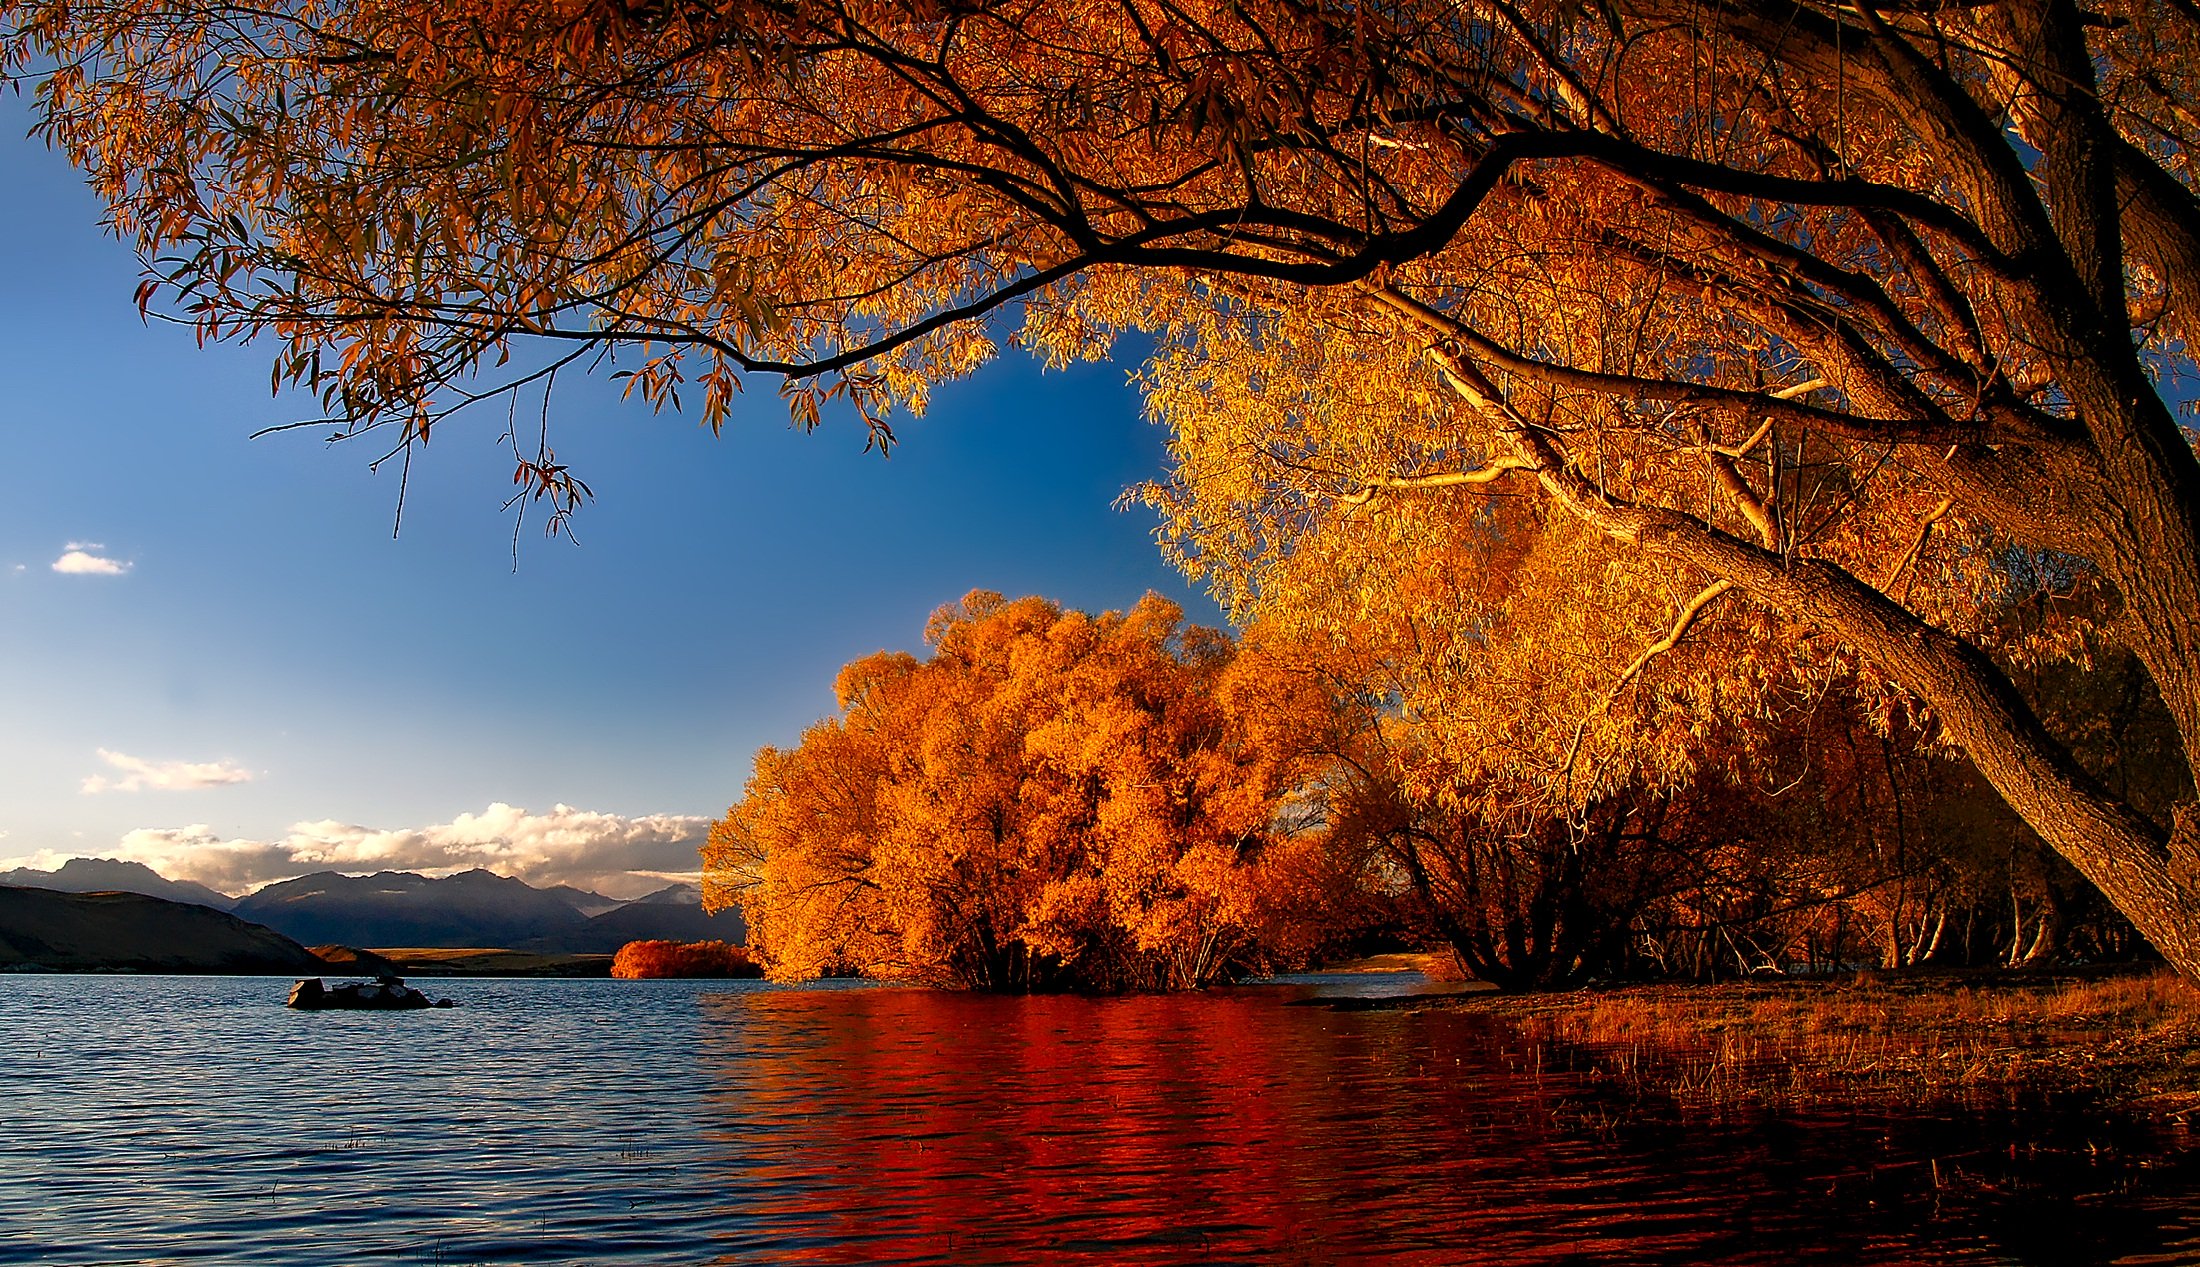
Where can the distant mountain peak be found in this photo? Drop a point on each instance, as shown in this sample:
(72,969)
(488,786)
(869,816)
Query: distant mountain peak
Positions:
(586,901)
(678,894)
(108,866)
(116,875)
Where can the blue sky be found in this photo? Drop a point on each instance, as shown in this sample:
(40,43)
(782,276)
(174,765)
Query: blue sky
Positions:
(271,657)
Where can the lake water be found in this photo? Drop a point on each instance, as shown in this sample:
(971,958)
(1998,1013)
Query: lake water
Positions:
(170,1120)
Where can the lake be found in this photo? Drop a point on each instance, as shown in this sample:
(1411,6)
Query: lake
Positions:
(150,1120)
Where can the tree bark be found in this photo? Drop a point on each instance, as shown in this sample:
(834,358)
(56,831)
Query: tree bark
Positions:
(2151,875)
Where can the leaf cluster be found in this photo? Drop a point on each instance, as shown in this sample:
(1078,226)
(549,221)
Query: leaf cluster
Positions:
(1048,800)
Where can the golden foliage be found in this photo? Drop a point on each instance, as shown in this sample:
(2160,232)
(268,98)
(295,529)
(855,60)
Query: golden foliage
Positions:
(1048,800)
(1813,332)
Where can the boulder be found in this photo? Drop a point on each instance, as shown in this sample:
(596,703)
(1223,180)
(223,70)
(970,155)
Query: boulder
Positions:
(384,994)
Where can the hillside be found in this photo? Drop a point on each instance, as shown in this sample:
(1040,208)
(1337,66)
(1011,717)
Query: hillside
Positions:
(671,914)
(81,931)
(586,901)
(399,908)
(112,875)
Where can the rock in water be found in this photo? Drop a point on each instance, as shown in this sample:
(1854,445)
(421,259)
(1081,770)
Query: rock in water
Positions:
(385,994)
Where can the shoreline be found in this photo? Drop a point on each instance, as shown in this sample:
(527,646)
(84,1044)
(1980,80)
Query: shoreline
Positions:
(2125,1040)
(405,962)
(488,961)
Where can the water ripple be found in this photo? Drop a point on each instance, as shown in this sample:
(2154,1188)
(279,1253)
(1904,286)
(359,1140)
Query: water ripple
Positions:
(194,1120)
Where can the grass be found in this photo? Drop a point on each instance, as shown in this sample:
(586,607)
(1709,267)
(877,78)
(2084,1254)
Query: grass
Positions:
(441,961)
(2131,1039)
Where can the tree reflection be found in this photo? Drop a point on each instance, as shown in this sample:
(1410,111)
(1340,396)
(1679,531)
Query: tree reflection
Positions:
(910,1125)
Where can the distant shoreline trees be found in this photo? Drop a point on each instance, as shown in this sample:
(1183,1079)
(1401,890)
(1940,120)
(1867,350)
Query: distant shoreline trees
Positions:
(643,960)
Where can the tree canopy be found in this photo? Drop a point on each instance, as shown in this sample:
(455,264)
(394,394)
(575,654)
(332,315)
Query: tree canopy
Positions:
(1866,320)
(1049,800)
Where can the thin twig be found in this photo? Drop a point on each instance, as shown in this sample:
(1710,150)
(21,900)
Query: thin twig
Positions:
(1917,546)
(1681,625)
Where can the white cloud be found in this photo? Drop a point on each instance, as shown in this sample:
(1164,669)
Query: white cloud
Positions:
(624,857)
(83,558)
(172,776)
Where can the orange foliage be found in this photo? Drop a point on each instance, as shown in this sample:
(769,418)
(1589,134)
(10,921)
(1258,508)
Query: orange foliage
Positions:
(1855,318)
(1049,800)
(640,960)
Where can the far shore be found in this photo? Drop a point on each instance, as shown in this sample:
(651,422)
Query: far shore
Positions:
(343,961)
(489,961)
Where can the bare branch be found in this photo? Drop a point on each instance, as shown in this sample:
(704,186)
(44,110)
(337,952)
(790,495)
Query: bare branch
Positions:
(1442,479)
(1681,624)
(1917,545)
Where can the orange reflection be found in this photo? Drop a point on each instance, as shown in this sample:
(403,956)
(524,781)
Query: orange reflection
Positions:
(880,1125)
(894,1125)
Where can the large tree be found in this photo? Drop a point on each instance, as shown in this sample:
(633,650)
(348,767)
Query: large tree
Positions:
(1809,307)
(1049,800)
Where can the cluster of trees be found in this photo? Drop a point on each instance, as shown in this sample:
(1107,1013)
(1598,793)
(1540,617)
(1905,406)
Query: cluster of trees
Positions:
(1625,371)
(643,960)
(1052,800)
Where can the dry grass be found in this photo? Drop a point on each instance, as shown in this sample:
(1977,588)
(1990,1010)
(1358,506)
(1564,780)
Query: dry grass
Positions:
(2128,1038)
(486,961)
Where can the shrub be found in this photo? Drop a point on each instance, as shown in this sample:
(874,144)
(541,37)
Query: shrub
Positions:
(640,959)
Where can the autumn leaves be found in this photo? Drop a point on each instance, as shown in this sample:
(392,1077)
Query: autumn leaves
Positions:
(1821,335)
(1048,800)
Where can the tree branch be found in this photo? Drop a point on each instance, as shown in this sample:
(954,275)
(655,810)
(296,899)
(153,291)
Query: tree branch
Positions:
(1443,479)
(1688,614)
(1917,544)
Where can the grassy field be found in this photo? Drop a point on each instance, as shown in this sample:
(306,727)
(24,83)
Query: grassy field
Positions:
(436,961)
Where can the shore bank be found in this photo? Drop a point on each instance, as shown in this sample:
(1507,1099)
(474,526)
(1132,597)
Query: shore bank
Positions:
(483,961)
(2127,1040)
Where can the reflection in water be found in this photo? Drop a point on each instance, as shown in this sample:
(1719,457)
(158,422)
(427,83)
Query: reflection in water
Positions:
(911,1125)
(147,1120)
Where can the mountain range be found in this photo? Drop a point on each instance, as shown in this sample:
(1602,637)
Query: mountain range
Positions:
(673,913)
(112,875)
(404,909)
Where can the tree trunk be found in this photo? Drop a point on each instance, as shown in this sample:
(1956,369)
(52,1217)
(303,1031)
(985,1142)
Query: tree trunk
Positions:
(2151,875)
(2046,939)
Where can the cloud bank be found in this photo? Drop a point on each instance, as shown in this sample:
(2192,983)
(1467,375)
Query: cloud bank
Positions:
(138,774)
(618,856)
(83,558)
